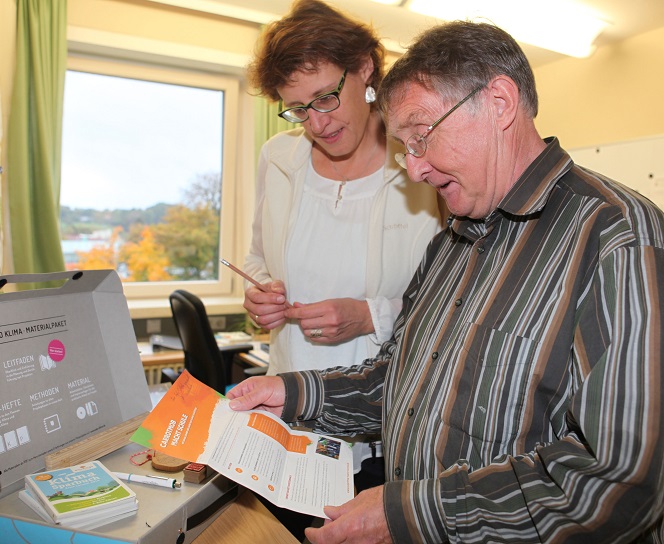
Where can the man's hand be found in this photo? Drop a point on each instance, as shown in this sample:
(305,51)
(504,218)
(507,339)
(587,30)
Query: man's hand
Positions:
(261,392)
(361,520)
(267,309)
(333,321)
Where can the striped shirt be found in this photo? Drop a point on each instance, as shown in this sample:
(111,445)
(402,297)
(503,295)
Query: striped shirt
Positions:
(520,397)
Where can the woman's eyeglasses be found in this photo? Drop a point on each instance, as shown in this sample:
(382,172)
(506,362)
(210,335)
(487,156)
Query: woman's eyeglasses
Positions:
(324,103)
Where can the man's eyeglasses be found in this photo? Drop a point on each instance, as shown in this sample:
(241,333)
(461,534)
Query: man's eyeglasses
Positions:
(324,103)
(416,145)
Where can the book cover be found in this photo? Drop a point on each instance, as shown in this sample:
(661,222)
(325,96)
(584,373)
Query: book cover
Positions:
(232,338)
(75,492)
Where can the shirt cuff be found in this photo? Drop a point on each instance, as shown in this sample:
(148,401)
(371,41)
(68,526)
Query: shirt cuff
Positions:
(412,510)
(304,395)
(384,313)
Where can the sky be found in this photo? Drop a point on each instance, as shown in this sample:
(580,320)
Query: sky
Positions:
(131,143)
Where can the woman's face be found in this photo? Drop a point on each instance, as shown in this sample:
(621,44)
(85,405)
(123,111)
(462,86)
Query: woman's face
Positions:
(339,132)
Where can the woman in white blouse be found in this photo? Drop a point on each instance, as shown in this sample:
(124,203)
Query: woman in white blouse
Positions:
(338,229)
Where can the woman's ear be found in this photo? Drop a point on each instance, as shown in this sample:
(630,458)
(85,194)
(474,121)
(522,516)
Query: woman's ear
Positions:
(366,70)
(504,99)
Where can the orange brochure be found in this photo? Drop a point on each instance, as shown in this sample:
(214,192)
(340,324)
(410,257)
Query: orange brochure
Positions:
(298,470)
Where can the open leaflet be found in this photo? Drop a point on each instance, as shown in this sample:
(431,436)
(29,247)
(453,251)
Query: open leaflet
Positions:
(301,471)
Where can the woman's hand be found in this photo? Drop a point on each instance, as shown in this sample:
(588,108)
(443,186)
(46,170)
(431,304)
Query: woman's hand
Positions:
(334,320)
(267,309)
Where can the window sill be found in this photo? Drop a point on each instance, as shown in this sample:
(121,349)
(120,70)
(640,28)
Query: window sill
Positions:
(149,308)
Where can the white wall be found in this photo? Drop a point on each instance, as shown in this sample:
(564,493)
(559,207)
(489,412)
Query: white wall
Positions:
(638,164)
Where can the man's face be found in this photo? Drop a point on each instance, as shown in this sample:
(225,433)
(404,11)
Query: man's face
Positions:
(462,156)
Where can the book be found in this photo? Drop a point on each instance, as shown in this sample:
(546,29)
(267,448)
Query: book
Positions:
(232,338)
(86,495)
(86,521)
(298,470)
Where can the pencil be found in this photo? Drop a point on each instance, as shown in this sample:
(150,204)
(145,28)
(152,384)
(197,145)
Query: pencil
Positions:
(245,276)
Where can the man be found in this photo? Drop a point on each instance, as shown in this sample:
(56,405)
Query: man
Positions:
(520,396)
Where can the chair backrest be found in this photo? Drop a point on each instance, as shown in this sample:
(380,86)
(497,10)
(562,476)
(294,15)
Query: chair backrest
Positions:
(201,353)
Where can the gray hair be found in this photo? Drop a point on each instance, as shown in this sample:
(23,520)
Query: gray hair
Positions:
(456,57)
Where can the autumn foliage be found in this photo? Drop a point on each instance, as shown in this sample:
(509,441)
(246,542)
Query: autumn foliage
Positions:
(146,260)
(184,245)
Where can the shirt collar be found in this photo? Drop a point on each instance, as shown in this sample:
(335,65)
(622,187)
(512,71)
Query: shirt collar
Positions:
(530,192)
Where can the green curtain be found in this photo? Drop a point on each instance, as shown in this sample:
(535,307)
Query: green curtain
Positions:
(34,135)
(267,122)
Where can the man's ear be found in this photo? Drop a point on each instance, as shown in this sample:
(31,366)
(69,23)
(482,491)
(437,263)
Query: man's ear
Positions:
(504,99)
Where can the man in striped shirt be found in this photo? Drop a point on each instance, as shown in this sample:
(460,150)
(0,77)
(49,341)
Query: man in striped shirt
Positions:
(520,396)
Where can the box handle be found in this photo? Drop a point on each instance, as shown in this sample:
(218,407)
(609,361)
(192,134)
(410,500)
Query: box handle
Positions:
(40,278)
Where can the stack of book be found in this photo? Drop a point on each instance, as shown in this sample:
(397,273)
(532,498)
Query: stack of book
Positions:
(232,338)
(83,496)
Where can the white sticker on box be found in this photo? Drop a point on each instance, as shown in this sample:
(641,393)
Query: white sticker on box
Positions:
(11,440)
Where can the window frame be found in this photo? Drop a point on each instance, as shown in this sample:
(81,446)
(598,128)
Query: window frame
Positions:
(224,286)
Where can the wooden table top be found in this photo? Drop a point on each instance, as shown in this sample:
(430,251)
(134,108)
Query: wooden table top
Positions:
(246,521)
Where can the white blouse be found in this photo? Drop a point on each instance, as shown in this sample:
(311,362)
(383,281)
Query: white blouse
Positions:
(327,258)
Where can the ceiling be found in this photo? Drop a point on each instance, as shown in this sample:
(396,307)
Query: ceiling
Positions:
(398,26)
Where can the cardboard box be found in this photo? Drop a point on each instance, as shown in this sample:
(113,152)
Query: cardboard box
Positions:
(164,516)
(69,367)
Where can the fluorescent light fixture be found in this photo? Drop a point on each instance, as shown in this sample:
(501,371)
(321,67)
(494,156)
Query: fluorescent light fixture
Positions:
(563,26)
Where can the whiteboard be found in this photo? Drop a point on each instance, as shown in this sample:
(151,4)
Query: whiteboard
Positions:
(638,164)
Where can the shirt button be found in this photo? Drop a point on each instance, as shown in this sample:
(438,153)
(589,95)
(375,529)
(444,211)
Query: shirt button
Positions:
(397,472)
(410,412)
(458,302)
(434,355)
(480,250)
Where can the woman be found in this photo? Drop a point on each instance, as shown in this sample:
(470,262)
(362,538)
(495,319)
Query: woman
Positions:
(338,229)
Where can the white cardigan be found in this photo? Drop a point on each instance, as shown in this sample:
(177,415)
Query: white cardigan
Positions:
(404,218)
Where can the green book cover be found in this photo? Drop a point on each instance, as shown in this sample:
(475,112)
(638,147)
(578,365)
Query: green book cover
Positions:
(87,487)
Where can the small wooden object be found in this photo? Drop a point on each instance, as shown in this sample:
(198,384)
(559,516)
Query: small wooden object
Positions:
(95,446)
(166,463)
(195,473)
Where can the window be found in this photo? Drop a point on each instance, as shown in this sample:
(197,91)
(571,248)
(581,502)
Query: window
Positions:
(147,184)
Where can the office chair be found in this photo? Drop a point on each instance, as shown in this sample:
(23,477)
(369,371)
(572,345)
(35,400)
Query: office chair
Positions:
(202,357)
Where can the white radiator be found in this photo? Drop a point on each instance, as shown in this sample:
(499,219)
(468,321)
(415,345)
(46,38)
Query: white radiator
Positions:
(153,372)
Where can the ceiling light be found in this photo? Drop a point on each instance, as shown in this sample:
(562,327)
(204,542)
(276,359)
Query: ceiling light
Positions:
(564,26)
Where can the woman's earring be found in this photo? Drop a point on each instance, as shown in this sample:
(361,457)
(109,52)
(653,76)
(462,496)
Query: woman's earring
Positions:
(370,94)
